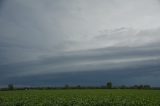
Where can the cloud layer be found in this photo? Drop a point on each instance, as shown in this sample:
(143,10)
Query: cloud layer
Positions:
(88,38)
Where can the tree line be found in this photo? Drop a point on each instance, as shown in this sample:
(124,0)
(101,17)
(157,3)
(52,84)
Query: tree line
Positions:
(108,85)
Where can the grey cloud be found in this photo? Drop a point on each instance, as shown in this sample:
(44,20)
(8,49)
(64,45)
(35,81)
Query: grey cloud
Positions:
(105,58)
(128,75)
(52,37)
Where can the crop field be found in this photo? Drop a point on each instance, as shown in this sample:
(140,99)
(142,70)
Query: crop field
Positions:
(97,97)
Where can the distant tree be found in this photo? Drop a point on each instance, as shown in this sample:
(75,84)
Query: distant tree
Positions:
(66,86)
(135,87)
(109,85)
(140,87)
(10,87)
(122,87)
(78,86)
(147,86)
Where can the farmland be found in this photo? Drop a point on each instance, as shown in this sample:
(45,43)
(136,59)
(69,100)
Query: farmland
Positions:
(83,97)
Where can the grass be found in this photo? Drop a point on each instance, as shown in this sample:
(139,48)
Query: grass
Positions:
(84,97)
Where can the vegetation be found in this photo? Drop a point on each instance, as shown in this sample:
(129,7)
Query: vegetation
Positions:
(80,97)
(107,95)
(10,87)
(109,85)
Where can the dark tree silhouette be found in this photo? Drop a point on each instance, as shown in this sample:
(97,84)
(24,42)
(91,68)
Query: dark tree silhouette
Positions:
(10,87)
(109,85)
(66,86)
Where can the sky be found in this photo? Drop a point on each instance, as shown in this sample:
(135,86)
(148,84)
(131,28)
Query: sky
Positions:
(79,42)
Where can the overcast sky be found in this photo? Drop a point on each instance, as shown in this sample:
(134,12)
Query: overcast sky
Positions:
(47,42)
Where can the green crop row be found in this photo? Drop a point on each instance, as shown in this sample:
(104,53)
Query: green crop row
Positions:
(80,98)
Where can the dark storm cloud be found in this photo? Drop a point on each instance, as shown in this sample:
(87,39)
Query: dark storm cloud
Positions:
(59,40)
(98,59)
(145,74)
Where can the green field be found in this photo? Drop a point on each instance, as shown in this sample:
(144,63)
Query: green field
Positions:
(80,98)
